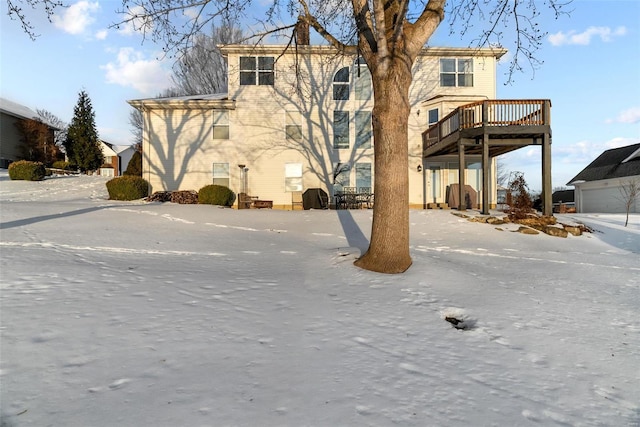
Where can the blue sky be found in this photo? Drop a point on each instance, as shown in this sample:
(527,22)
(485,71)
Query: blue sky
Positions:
(591,73)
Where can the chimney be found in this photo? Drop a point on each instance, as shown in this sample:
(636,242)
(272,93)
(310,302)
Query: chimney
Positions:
(302,32)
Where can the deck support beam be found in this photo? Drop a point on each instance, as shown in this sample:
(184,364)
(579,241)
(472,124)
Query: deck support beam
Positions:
(486,172)
(547,202)
(462,203)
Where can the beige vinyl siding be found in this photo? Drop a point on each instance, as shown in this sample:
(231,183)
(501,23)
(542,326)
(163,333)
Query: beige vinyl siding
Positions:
(181,140)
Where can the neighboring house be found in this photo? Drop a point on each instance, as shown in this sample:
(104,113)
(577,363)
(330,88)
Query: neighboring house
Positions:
(598,187)
(563,201)
(10,114)
(300,117)
(116,158)
(110,166)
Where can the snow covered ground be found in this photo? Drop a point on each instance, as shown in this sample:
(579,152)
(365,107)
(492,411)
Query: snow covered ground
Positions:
(137,314)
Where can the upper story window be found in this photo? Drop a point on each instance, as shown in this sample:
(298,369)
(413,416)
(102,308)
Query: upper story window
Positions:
(340,129)
(456,72)
(221,124)
(362,80)
(363,129)
(293,126)
(341,84)
(257,70)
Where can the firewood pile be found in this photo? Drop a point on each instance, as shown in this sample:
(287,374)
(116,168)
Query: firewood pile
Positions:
(185,197)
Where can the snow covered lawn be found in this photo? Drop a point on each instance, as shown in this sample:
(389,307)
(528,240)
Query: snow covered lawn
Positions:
(136,314)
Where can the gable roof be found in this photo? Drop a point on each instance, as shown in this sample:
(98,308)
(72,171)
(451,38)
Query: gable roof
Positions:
(614,163)
(16,110)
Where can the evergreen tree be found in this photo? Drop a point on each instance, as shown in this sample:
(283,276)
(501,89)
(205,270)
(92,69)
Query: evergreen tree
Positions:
(82,143)
(135,165)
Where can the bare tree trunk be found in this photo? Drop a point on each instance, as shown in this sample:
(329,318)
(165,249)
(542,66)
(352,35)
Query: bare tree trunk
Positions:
(389,248)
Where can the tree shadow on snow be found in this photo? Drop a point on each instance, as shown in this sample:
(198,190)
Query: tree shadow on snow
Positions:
(355,236)
(33,220)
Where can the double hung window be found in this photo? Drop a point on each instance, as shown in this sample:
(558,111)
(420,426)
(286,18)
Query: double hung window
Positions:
(363,129)
(456,72)
(293,177)
(257,70)
(221,174)
(293,126)
(220,124)
(340,129)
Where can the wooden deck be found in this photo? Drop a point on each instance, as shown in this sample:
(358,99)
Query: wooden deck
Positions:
(509,125)
(491,128)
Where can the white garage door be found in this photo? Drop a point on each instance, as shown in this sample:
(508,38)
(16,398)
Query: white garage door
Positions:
(602,200)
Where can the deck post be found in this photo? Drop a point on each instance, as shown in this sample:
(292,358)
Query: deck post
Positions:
(462,205)
(486,172)
(547,202)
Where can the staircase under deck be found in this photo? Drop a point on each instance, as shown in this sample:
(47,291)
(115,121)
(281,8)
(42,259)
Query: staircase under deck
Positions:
(491,128)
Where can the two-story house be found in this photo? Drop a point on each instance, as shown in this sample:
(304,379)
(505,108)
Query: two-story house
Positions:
(299,117)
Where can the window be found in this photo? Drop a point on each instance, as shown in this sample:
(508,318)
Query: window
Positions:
(456,72)
(433,116)
(341,172)
(293,177)
(293,126)
(363,175)
(341,84)
(363,129)
(221,174)
(257,70)
(362,80)
(340,129)
(220,125)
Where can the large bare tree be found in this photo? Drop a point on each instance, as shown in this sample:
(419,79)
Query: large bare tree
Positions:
(389,34)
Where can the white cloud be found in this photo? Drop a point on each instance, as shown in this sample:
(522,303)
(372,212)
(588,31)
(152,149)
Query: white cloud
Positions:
(584,152)
(630,116)
(76,18)
(131,69)
(135,25)
(605,34)
(101,35)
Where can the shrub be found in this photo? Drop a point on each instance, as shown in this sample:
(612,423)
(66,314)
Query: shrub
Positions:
(127,188)
(518,198)
(27,171)
(134,168)
(61,164)
(216,195)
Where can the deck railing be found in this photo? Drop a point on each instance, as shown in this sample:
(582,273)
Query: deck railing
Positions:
(488,113)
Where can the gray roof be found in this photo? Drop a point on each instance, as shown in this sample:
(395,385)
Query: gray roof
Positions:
(16,110)
(614,163)
(563,196)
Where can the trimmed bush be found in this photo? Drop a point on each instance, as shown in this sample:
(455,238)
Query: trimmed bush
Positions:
(27,171)
(61,164)
(216,195)
(127,188)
